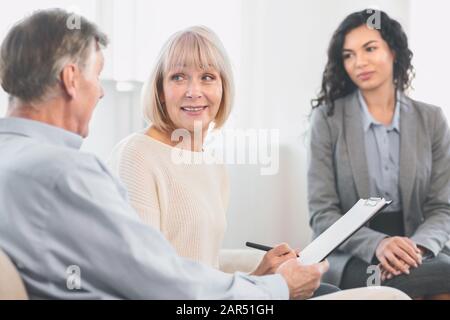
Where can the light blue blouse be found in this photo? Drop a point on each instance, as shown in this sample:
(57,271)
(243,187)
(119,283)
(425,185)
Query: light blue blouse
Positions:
(383,155)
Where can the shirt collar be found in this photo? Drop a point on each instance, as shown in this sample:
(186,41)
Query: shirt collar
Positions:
(40,131)
(368,120)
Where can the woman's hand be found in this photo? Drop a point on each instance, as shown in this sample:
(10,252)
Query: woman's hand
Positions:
(386,275)
(397,255)
(274,258)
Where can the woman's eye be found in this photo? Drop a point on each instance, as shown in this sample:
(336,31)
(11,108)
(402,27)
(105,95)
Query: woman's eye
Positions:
(177,77)
(371,49)
(208,77)
(346,56)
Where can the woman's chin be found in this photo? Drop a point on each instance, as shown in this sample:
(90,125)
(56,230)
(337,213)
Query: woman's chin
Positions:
(368,85)
(201,125)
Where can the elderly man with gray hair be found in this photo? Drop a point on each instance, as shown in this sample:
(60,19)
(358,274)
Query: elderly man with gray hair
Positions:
(62,214)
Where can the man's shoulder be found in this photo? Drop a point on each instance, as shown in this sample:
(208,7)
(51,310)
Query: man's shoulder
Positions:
(66,162)
(48,162)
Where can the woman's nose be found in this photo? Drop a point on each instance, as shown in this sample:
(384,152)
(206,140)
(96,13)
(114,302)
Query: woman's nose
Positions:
(360,60)
(194,90)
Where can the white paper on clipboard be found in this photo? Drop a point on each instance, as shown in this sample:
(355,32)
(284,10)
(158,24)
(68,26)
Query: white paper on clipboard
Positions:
(341,230)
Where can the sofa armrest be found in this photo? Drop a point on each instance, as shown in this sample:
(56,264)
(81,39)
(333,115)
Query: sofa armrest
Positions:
(11,285)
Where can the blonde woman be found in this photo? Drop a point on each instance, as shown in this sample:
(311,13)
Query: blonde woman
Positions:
(191,88)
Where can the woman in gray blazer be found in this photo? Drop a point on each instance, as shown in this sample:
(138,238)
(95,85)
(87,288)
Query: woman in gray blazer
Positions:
(368,139)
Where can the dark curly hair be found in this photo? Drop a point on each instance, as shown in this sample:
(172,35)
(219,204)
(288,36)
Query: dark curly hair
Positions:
(335,81)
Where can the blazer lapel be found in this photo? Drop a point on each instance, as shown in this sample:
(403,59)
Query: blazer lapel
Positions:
(354,135)
(407,151)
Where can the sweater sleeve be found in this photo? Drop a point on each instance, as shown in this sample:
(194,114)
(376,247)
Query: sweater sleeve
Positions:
(136,172)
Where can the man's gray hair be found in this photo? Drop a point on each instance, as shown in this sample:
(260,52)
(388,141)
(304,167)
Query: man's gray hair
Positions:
(36,49)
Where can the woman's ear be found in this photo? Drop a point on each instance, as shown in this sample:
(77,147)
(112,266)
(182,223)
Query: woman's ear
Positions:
(394,56)
(160,89)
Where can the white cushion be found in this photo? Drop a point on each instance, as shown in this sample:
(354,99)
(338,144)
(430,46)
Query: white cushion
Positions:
(244,260)
(368,293)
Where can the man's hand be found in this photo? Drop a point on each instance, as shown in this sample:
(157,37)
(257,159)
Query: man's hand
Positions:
(397,255)
(274,258)
(302,280)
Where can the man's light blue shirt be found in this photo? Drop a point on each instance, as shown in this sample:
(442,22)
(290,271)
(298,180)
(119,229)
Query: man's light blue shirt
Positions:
(382,145)
(63,217)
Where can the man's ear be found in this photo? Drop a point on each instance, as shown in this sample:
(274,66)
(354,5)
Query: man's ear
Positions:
(69,80)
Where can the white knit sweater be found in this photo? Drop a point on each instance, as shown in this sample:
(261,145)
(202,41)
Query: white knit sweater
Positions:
(186,202)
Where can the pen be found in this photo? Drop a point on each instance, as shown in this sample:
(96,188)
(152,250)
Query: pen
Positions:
(259,246)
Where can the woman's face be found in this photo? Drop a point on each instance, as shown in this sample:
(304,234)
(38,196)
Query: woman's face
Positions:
(367,58)
(192,94)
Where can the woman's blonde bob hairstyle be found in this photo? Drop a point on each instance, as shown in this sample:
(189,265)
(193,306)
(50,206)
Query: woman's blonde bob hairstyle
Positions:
(194,46)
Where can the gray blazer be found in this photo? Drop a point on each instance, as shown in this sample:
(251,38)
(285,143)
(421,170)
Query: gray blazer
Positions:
(338,177)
